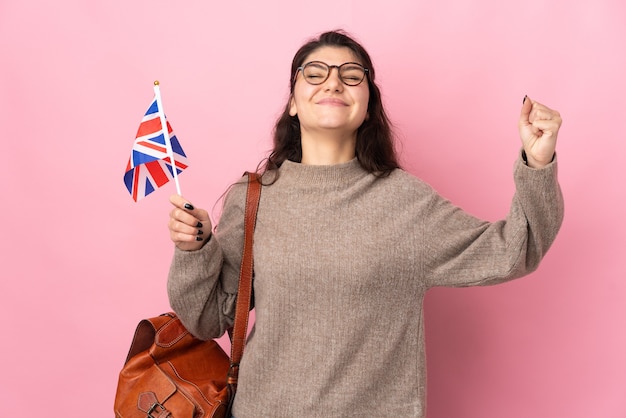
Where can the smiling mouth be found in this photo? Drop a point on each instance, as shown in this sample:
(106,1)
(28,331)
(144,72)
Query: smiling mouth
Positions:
(332,102)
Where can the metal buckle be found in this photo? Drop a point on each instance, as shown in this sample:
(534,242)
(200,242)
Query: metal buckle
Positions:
(152,408)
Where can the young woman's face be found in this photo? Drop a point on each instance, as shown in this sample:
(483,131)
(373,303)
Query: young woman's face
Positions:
(331,105)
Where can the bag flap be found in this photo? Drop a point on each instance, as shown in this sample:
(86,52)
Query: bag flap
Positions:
(154,386)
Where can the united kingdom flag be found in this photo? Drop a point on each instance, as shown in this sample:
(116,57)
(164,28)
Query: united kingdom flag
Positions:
(150,163)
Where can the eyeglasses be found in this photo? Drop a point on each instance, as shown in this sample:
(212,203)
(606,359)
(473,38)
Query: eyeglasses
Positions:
(317,72)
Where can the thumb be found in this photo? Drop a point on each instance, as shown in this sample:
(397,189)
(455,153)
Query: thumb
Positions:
(527,106)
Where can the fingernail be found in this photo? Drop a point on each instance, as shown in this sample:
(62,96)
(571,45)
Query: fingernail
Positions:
(198,238)
(199,225)
(524,101)
(200,232)
(188,206)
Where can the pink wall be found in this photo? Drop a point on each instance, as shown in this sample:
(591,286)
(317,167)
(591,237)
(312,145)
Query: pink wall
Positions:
(82,263)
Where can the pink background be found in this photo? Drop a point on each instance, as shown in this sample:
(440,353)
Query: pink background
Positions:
(82,263)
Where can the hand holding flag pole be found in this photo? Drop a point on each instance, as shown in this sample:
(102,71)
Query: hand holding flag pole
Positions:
(157,156)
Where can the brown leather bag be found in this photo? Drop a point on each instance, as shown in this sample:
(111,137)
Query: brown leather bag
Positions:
(169,373)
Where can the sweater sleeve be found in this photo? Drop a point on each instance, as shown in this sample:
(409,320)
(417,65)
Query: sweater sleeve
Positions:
(202,284)
(462,250)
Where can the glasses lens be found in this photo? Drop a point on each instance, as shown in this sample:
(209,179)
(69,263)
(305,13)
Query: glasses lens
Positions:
(315,72)
(351,74)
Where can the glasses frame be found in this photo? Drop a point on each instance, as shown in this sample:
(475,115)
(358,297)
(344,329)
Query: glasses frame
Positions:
(330,68)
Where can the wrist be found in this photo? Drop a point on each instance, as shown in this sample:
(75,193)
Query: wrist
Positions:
(534,163)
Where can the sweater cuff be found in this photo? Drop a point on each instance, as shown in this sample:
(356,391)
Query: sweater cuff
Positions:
(524,160)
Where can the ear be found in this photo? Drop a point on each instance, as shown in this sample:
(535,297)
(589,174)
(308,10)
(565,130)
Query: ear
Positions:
(293,110)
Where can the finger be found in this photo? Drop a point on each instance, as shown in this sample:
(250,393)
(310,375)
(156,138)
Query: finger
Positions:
(181,232)
(184,216)
(544,114)
(180,202)
(177,236)
(527,106)
(546,127)
(186,242)
(535,131)
(186,225)
(540,111)
(537,105)
(182,221)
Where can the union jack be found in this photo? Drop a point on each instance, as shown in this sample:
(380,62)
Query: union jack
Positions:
(150,166)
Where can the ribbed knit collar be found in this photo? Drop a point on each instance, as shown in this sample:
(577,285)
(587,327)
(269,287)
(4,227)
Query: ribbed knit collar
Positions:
(336,174)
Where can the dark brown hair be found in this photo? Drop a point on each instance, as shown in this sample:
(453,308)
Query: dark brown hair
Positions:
(374,146)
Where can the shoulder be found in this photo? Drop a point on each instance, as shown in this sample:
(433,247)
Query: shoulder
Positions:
(404,180)
(235,194)
(401,189)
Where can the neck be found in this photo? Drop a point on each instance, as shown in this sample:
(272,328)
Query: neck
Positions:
(327,148)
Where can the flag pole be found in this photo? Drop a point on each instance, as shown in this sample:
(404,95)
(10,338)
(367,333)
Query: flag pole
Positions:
(168,144)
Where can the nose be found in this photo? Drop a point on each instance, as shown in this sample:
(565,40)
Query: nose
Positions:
(333,82)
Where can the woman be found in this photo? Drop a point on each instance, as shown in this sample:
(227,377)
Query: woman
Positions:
(346,245)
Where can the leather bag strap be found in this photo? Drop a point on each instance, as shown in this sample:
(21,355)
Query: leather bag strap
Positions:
(244,293)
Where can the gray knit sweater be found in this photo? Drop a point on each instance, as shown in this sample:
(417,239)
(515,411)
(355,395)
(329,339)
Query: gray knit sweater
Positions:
(342,260)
